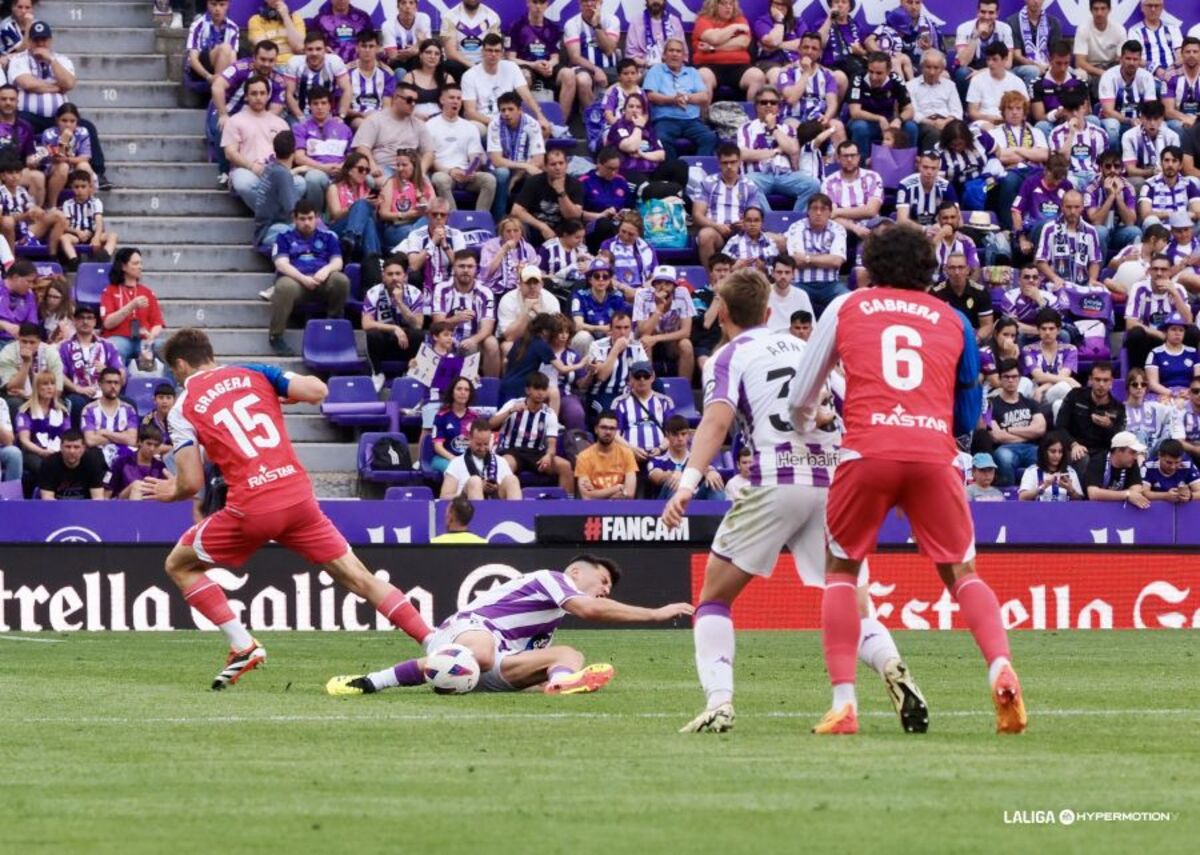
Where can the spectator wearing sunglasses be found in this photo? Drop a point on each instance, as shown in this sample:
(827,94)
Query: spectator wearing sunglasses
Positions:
(385,132)
(1148,419)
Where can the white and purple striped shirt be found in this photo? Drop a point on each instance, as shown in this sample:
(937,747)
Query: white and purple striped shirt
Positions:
(641,422)
(803,240)
(39,103)
(742,246)
(727,204)
(616,382)
(1184,92)
(1166,197)
(753,136)
(1158,45)
(852,192)
(367,92)
(82,215)
(527,429)
(1143,152)
(1151,307)
(95,417)
(204,35)
(1083,148)
(559,262)
(447,300)
(751,375)
(813,102)
(523,613)
(1070,252)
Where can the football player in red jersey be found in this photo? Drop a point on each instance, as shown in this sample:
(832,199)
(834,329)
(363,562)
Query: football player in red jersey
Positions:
(912,384)
(233,414)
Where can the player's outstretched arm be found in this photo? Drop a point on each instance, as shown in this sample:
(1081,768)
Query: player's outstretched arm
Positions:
(603,610)
(305,388)
(711,433)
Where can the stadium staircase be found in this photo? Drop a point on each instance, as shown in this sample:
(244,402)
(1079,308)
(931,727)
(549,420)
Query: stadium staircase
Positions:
(194,238)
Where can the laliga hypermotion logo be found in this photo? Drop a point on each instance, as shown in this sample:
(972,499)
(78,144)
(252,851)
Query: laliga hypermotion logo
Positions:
(73,534)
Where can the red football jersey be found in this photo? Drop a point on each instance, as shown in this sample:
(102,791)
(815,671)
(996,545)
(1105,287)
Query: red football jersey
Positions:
(901,352)
(233,413)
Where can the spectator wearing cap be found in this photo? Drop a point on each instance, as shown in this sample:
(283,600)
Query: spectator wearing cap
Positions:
(322,142)
(18,303)
(308,261)
(1151,302)
(506,256)
(1091,416)
(1117,476)
(785,298)
(610,361)
(212,42)
(1171,366)
(593,307)
(606,198)
(606,469)
(663,312)
(164,400)
(677,93)
(126,471)
(1184,251)
(642,413)
(1172,476)
(722,201)
(664,470)
(83,357)
(339,22)
(1015,426)
(521,305)
(983,473)
(1051,480)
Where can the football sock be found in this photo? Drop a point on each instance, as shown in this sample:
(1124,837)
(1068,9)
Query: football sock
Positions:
(981,611)
(994,668)
(406,673)
(397,609)
(208,598)
(876,648)
(840,631)
(558,673)
(712,631)
(843,693)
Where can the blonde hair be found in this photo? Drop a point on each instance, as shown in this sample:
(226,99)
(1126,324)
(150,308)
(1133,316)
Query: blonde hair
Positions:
(746,293)
(34,405)
(709,9)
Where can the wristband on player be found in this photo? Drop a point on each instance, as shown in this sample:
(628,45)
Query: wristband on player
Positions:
(691,479)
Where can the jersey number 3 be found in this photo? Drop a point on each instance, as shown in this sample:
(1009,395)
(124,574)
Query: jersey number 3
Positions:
(250,431)
(902,366)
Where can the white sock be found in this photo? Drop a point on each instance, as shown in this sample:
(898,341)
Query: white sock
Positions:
(994,669)
(385,679)
(236,633)
(875,646)
(843,693)
(713,635)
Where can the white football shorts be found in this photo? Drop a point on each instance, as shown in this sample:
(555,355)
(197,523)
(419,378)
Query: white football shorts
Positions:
(448,633)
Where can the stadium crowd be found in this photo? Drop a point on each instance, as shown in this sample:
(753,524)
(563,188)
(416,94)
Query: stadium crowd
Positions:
(550,206)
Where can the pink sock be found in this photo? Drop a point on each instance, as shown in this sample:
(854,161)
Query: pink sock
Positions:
(840,629)
(981,611)
(208,598)
(397,609)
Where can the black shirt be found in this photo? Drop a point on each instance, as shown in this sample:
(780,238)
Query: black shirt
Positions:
(704,340)
(975,301)
(1190,142)
(888,100)
(1017,415)
(1075,417)
(540,200)
(67,483)
(1101,473)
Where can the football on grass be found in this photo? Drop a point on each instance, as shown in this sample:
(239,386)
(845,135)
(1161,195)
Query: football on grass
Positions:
(452,670)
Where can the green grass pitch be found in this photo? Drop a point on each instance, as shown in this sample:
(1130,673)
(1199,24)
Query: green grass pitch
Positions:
(111,743)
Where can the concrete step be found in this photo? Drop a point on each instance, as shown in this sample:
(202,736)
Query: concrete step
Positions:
(311,428)
(251,343)
(218,314)
(159,258)
(327,456)
(174,203)
(210,286)
(129,175)
(90,94)
(218,230)
(156,148)
(74,40)
(79,14)
(168,121)
(120,66)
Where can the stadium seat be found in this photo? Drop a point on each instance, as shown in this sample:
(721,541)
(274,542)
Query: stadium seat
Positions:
(694,275)
(404,405)
(36,250)
(140,390)
(893,165)
(725,464)
(487,393)
(11,491)
(353,402)
(544,493)
(707,162)
(48,269)
(330,348)
(354,300)
(382,476)
(554,115)
(426,454)
(680,392)
(415,493)
(751,112)
(777,222)
(90,282)
(1118,389)
(467,221)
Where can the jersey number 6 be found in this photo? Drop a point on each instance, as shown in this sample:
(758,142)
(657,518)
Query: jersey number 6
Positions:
(245,426)
(895,357)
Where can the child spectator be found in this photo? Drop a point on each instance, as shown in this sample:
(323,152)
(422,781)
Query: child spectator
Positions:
(801,324)
(85,222)
(570,408)
(664,470)
(1051,480)
(529,433)
(983,473)
(68,148)
(126,471)
(1172,477)
(452,424)
(564,258)
(438,362)
(642,412)
(532,353)
(606,469)
(626,87)
(212,42)
(164,400)
(23,223)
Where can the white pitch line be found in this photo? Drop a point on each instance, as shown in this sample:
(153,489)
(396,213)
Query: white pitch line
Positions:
(369,717)
(33,640)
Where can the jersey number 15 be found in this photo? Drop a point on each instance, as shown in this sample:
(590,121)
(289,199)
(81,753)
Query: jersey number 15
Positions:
(250,431)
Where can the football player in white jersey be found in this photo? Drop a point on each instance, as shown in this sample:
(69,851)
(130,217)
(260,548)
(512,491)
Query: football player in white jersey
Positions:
(748,380)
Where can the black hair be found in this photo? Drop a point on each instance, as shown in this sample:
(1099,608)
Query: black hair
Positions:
(801,316)
(613,568)
(900,257)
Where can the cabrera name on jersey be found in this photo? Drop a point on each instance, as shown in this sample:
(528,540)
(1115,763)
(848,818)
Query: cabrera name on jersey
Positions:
(752,375)
(233,413)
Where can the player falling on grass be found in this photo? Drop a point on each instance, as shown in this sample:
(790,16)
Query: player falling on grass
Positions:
(747,381)
(912,370)
(232,413)
(509,629)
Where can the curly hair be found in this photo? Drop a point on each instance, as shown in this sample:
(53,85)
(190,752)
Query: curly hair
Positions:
(900,257)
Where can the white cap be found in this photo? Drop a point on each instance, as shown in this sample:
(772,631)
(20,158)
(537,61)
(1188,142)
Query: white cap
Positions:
(664,273)
(531,271)
(1181,220)
(1127,439)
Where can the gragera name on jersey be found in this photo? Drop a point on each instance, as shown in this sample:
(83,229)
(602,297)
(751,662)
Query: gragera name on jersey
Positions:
(232,384)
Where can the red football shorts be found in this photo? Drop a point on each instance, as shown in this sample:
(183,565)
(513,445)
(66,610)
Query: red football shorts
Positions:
(229,537)
(930,494)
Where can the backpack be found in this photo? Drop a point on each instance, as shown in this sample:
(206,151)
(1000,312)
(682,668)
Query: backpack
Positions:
(727,118)
(665,222)
(389,453)
(572,443)
(593,123)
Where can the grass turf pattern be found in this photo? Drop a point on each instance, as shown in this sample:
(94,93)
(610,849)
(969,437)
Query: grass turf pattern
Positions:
(111,743)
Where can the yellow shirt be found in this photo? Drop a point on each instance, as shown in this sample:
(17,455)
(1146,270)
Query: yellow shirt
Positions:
(458,537)
(260,28)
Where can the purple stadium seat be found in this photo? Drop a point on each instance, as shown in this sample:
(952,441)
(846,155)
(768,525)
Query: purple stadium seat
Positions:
(354,301)
(353,402)
(1118,389)
(544,493)
(748,106)
(679,389)
(46,269)
(140,390)
(430,475)
(893,165)
(554,115)
(36,250)
(471,220)
(382,476)
(487,394)
(707,162)
(777,222)
(90,282)
(11,491)
(404,406)
(330,348)
(694,274)
(415,493)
